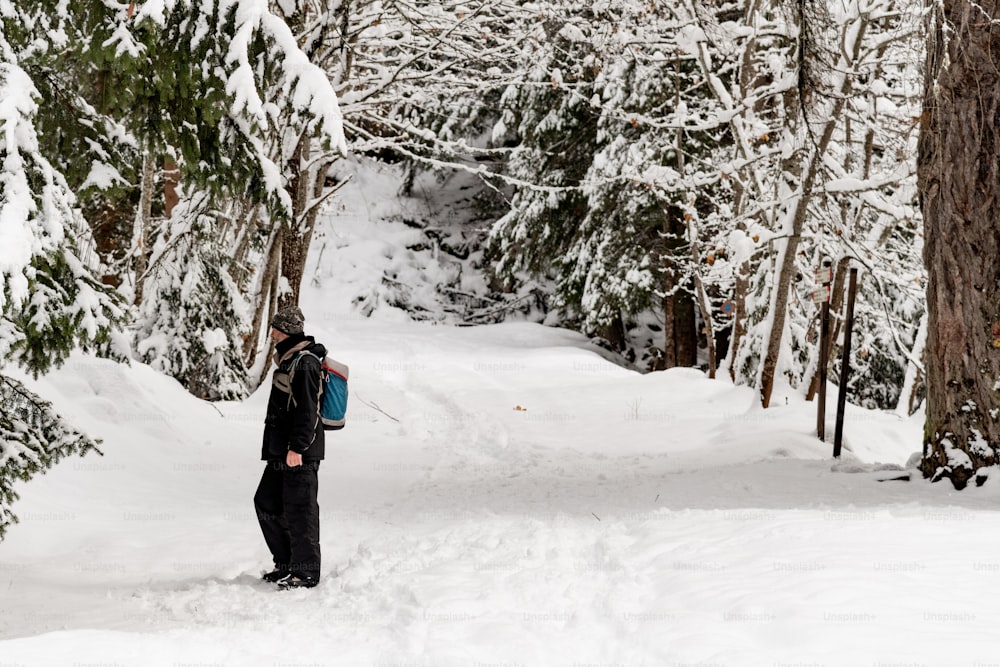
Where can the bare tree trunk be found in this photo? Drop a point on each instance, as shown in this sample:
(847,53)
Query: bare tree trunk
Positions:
(703,307)
(959,180)
(693,239)
(143,223)
(305,187)
(271,310)
(346,47)
(680,344)
(685,330)
(615,333)
(246,233)
(265,299)
(293,242)
(801,206)
(780,304)
(171,179)
(739,315)
(749,188)
(914,373)
(669,322)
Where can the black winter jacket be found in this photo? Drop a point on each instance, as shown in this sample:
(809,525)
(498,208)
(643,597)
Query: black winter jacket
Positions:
(292,421)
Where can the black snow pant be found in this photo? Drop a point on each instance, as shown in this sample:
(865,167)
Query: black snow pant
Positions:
(288,513)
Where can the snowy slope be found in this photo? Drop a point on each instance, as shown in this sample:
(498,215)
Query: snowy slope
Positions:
(615,518)
(618,519)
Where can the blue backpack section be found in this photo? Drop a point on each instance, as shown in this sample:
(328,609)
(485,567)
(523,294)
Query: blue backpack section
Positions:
(333,392)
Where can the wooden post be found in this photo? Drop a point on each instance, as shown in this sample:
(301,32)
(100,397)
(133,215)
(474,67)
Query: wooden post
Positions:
(845,364)
(824,354)
(824,276)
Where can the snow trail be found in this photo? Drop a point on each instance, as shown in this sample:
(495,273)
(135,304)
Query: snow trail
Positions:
(614,519)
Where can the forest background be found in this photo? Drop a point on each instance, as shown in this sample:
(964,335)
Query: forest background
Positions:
(667,177)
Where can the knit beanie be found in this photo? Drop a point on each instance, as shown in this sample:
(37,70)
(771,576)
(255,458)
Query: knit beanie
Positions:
(289,320)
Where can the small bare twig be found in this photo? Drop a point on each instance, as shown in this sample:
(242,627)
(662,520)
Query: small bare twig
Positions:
(374,406)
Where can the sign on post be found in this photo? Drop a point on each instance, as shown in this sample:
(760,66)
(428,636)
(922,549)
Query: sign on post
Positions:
(824,276)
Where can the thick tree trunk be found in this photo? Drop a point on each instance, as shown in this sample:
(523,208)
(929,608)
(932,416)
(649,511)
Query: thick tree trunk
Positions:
(959,178)
(680,344)
(685,331)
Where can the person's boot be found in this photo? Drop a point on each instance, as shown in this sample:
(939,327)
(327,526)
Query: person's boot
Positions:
(295,581)
(275,575)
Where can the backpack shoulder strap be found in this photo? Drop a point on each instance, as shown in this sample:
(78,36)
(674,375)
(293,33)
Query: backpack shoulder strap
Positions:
(291,374)
(298,357)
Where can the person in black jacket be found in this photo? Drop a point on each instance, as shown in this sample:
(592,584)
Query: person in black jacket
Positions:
(286,498)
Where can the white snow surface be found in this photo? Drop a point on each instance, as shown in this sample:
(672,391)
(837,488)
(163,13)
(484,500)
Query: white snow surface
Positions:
(502,495)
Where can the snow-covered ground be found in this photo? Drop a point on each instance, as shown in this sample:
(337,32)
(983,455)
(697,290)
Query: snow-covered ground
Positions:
(503,495)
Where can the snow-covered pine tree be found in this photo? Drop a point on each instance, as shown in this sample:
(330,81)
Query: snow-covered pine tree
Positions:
(50,301)
(78,127)
(193,314)
(33,438)
(226,93)
(549,117)
(603,123)
(390,62)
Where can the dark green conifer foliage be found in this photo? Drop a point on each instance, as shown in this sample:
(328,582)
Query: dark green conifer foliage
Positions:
(33,438)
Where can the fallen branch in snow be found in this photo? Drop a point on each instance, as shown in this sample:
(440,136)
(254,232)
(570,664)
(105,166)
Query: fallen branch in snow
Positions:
(374,406)
(496,310)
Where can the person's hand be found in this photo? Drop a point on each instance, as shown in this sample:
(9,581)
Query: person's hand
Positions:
(294,459)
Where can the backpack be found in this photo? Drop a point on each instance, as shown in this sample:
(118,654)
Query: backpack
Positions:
(332,398)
